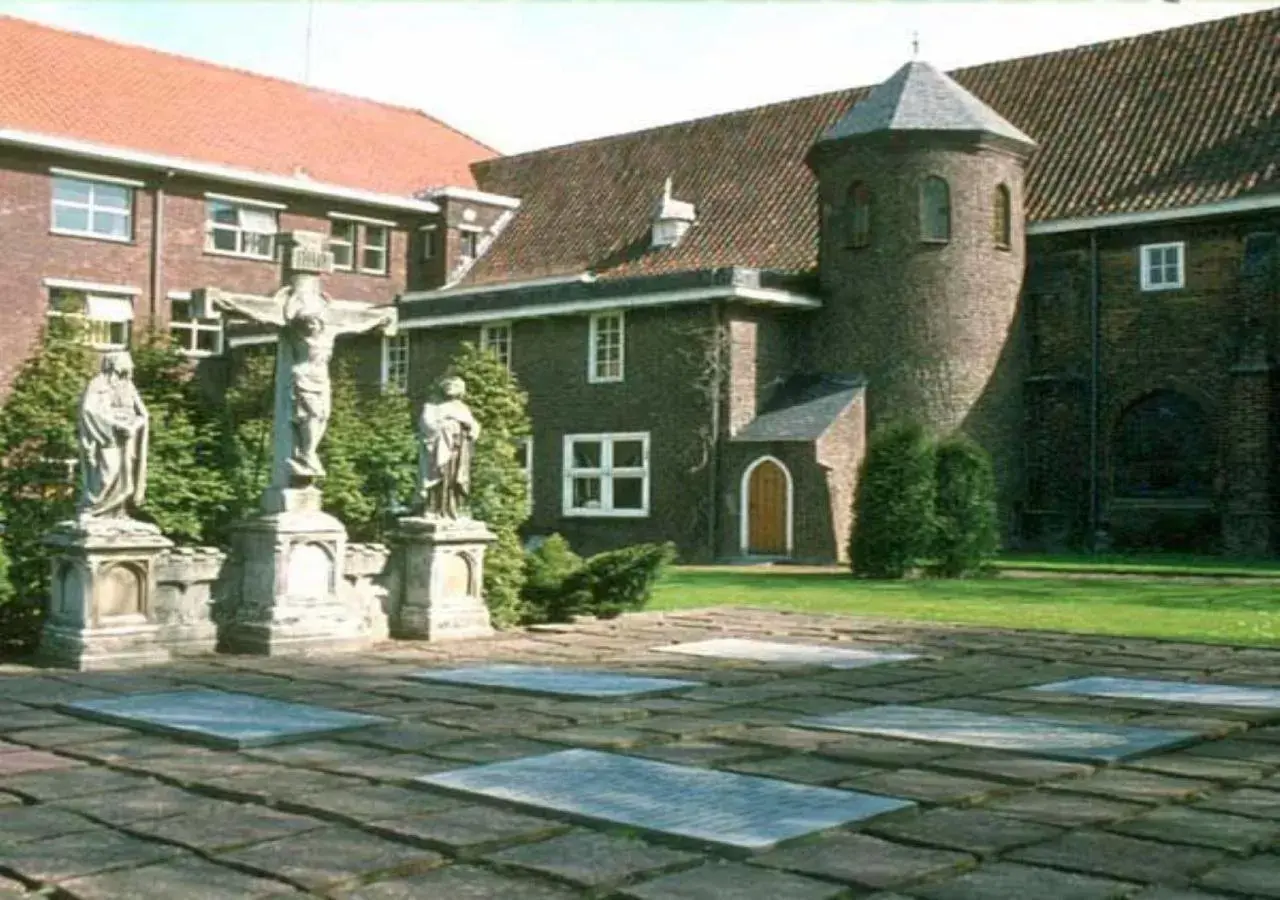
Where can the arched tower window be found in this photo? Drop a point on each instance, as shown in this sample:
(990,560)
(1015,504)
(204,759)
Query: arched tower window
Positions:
(1163,449)
(859,215)
(935,209)
(1002,221)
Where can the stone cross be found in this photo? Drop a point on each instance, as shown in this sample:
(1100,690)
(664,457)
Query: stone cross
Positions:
(309,322)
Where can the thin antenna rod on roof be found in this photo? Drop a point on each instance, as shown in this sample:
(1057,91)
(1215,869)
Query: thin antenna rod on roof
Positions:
(306,66)
(915,44)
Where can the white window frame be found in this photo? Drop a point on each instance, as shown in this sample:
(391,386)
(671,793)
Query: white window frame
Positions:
(91,207)
(241,205)
(593,348)
(350,245)
(191,328)
(97,325)
(495,335)
(395,362)
(469,233)
(384,248)
(606,473)
(527,444)
(1144,264)
(430,237)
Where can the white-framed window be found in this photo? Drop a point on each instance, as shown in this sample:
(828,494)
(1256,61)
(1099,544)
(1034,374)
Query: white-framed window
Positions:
(373,250)
(606,475)
(193,336)
(496,339)
(468,244)
(1163,266)
(524,458)
(342,244)
(90,208)
(430,246)
(395,362)
(605,351)
(109,316)
(240,229)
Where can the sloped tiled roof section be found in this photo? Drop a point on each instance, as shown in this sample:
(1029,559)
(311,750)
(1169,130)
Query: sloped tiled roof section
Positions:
(1154,122)
(73,85)
(918,97)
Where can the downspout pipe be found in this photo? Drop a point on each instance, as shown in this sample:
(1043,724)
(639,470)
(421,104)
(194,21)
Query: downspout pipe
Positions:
(1095,367)
(713,464)
(157,245)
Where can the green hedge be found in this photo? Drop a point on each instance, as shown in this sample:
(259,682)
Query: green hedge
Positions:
(966,536)
(560,585)
(894,502)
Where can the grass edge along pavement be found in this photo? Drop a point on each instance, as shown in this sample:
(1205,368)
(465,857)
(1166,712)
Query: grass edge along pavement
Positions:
(1160,608)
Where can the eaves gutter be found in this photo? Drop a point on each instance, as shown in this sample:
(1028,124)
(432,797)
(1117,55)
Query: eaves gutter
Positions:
(1121,220)
(212,171)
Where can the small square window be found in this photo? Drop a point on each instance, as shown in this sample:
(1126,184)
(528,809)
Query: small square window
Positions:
(373,255)
(342,244)
(190,335)
(92,208)
(241,229)
(469,244)
(395,363)
(1163,266)
(606,475)
(429,239)
(606,345)
(496,339)
(108,318)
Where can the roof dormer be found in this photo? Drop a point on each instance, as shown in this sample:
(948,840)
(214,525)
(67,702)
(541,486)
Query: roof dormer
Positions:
(671,219)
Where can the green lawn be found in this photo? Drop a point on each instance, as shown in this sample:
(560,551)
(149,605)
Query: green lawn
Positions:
(1158,608)
(1143,564)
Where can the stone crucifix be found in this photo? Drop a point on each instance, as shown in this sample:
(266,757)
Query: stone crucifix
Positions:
(309,323)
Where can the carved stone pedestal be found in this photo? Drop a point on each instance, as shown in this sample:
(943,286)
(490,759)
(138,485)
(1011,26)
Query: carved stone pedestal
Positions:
(289,598)
(443,596)
(101,611)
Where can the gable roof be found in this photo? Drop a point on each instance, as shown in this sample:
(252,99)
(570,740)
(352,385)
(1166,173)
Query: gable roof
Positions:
(803,408)
(1158,121)
(140,99)
(918,97)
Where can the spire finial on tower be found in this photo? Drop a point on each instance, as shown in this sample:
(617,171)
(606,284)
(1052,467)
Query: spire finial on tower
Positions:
(915,44)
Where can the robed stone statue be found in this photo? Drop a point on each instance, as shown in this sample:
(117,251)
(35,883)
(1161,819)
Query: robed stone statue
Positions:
(447,434)
(113,434)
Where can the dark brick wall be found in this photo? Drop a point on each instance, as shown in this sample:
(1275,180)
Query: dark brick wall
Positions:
(932,326)
(659,395)
(762,347)
(1211,340)
(33,253)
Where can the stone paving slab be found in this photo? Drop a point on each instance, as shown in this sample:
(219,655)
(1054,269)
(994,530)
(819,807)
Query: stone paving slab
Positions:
(1169,691)
(345,815)
(555,682)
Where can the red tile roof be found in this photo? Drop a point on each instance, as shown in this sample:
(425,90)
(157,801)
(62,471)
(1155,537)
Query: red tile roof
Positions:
(73,85)
(1159,121)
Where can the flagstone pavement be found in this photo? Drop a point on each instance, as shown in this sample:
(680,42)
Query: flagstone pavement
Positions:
(95,811)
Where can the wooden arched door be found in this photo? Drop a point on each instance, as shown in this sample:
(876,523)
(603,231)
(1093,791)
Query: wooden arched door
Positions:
(768,509)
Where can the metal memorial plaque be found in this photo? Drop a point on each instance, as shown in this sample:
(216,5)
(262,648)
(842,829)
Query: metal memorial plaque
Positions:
(789,654)
(554,682)
(221,719)
(1169,691)
(1072,741)
(742,812)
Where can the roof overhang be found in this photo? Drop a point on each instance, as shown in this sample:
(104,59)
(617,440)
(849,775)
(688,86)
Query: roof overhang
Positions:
(416,311)
(1233,206)
(230,174)
(453,192)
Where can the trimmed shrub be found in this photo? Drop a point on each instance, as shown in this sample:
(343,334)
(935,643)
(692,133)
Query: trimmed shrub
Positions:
(187,491)
(893,506)
(38,450)
(615,581)
(545,571)
(499,491)
(965,534)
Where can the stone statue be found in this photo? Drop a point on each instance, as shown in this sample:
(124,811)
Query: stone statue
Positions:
(309,323)
(113,432)
(447,434)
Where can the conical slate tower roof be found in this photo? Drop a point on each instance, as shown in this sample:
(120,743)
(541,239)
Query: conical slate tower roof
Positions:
(920,98)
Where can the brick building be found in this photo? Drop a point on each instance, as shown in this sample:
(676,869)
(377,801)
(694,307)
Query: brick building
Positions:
(1071,256)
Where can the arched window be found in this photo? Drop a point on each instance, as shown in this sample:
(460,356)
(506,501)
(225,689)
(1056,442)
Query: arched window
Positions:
(859,215)
(935,209)
(1163,449)
(1002,221)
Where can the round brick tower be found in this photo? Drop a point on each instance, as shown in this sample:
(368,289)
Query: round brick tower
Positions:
(922,256)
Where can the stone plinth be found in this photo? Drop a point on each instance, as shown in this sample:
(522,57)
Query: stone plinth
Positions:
(290,597)
(102,603)
(442,586)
